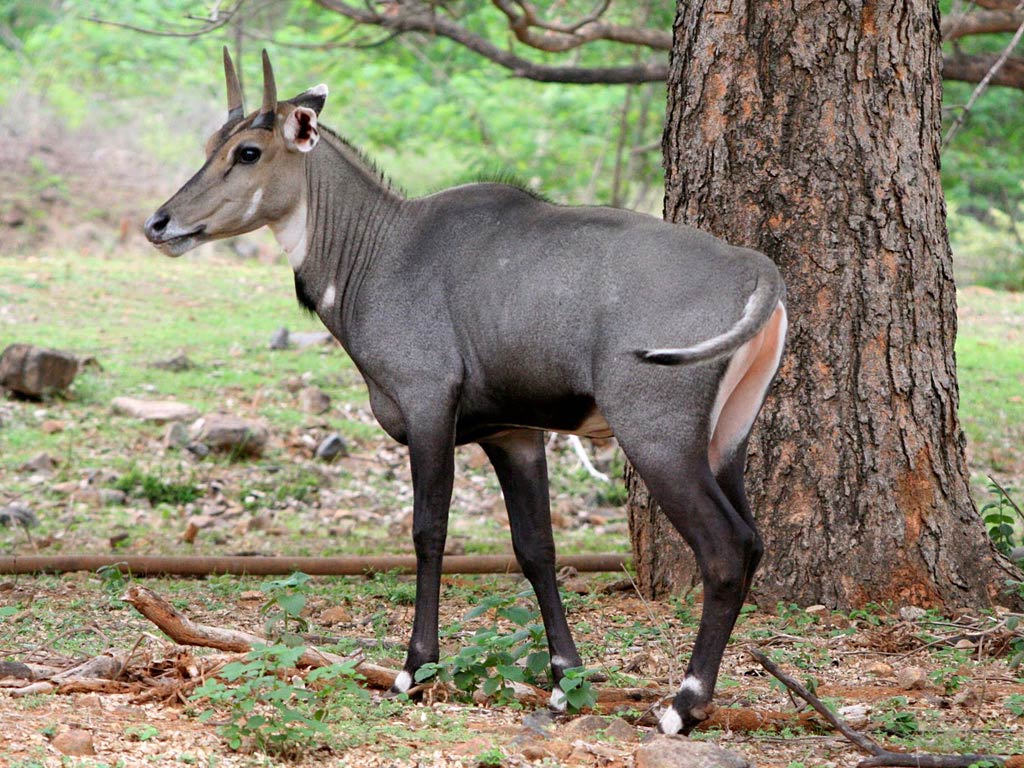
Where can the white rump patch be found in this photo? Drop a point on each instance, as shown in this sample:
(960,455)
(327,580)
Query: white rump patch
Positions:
(291,235)
(743,387)
(692,684)
(403,682)
(670,721)
(327,300)
(557,700)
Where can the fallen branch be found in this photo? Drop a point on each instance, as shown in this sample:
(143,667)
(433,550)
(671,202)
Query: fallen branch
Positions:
(184,631)
(880,756)
(152,565)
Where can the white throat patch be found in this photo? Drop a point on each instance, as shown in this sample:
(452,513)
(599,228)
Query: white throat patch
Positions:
(291,235)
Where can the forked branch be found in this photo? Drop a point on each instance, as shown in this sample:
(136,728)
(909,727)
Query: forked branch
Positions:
(880,756)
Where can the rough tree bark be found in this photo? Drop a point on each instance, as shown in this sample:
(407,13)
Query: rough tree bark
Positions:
(810,131)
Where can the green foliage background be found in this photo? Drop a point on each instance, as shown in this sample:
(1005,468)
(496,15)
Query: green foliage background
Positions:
(433,114)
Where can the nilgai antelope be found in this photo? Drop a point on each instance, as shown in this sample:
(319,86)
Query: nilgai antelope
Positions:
(484,314)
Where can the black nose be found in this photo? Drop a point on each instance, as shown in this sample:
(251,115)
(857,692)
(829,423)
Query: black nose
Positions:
(156,224)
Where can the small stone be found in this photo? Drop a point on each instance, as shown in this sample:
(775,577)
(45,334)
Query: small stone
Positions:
(118,539)
(52,426)
(880,669)
(199,450)
(191,531)
(856,715)
(314,400)
(621,731)
(75,742)
(176,364)
(964,644)
(533,751)
(339,614)
(176,435)
(911,678)
(159,411)
(577,585)
(331,447)
(41,463)
(35,371)
(675,752)
(280,339)
(585,727)
(912,613)
(816,609)
(303,340)
(230,434)
(293,384)
(112,497)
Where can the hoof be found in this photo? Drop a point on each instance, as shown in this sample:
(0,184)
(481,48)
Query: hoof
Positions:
(402,684)
(557,701)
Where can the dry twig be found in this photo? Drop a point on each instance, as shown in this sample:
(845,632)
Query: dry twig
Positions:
(880,756)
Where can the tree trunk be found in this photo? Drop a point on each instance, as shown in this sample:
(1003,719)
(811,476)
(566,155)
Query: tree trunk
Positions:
(811,132)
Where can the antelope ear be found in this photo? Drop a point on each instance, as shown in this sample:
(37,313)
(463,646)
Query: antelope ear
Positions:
(314,98)
(300,131)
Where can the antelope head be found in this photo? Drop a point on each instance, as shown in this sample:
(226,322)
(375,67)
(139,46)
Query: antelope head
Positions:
(254,172)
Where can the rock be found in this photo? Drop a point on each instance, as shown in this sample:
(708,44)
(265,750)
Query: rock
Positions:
(35,371)
(911,678)
(16,670)
(815,609)
(176,435)
(176,364)
(52,426)
(880,669)
(912,613)
(856,715)
(41,463)
(230,434)
(621,731)
(585,727)
(280,339)
(677,752)
(339,614)
(314,400)
(160,411)
(293,384)
(303,340)
(75,742)
(17,513)
(198,450)
(112,497)
(331,447)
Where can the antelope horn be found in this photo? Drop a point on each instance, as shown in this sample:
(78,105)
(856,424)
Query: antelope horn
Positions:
(268,111)
(235,106)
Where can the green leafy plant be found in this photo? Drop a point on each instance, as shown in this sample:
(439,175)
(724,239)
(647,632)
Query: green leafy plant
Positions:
(282,610)
(1001,516)
(278,713)
(155,490)
(493,661)
(895,719)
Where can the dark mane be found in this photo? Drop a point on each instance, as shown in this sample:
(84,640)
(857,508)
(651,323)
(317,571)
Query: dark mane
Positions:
(368,162)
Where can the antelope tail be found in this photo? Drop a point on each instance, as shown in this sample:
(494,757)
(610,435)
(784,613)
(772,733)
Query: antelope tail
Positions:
(760,305)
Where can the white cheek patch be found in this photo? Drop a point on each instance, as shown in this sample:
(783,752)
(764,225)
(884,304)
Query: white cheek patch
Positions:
(403,682)
(254,205)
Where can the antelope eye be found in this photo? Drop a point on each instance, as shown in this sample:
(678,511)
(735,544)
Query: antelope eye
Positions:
(248,155)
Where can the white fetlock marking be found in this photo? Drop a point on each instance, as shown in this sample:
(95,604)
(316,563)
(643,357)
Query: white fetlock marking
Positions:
(403,682)
(692,684)
(557,700)
(670,722)
(560,661)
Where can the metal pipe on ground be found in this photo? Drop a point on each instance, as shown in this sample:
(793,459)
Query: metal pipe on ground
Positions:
(147,565)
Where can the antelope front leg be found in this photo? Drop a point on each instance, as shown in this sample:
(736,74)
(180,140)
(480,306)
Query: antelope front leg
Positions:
(431,455)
